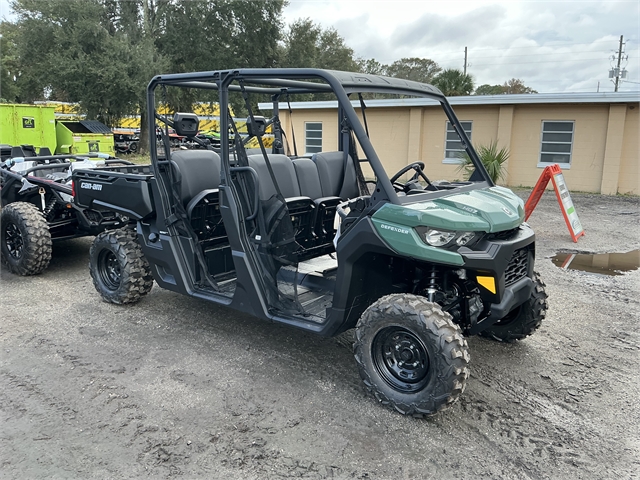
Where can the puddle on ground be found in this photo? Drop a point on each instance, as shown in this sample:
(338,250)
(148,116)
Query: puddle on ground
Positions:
(601,263)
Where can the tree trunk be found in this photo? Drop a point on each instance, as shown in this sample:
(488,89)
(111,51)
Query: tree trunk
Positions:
(143,146)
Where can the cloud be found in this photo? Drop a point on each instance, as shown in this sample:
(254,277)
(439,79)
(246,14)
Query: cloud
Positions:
(433,29)
(552,46)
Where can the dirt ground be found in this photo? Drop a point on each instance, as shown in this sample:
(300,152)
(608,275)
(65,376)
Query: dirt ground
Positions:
(174,386)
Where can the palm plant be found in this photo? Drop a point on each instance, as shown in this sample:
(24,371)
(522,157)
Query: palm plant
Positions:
(493,160)
(453,82)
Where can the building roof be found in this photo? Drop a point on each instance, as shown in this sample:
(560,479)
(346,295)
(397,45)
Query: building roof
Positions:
(512,99)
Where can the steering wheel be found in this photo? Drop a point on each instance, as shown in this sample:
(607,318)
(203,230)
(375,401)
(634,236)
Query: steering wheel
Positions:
(405,187)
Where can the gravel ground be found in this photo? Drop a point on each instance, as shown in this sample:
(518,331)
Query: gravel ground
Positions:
(177,386)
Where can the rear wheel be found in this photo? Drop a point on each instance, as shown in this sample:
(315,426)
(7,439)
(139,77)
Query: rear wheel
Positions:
(118,268)
(523,320)
(25,239)
(410,354)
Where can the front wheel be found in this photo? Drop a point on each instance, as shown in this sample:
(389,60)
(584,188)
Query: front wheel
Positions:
(410,354)
(118,268)
(25,240)
(523,320)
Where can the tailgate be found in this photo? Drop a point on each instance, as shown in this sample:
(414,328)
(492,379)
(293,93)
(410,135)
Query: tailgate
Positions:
(115,190)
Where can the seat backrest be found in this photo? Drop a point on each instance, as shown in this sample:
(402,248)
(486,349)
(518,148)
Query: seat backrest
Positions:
(199,170)
(284,172)
(336,181)
(308,178)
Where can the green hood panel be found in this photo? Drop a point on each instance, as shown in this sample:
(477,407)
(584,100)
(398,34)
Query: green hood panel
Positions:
(406,242)
(491,209)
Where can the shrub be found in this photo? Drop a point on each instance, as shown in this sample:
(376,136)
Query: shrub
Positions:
(492,158)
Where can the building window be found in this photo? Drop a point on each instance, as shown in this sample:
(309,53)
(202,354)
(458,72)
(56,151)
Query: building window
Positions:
(556,143)
(312,137)
(453,149)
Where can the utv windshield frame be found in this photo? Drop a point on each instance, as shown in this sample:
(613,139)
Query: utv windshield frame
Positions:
(278,82)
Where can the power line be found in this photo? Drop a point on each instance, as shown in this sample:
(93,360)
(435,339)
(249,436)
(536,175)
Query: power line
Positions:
(506,63)
(545,54)
(555,45)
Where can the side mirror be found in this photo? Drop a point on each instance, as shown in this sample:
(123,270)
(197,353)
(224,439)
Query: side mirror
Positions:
(186,124)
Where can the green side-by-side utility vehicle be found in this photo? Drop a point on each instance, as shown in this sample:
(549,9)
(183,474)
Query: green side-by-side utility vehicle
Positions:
(413,265)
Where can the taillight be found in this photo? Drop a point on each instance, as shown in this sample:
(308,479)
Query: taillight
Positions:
(73,188)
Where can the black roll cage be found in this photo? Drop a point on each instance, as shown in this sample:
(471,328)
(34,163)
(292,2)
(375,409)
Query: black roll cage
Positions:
(283,81)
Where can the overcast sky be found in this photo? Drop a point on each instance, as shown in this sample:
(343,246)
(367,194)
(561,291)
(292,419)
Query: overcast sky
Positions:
(553,46)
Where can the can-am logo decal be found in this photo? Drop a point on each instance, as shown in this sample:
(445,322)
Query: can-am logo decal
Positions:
(507,211)
(90,186)
(394,229)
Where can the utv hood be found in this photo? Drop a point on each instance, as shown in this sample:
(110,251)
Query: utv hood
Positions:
(491,209)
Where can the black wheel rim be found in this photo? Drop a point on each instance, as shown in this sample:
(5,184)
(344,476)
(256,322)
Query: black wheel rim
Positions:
(401,359)
(13,240)
(109,269)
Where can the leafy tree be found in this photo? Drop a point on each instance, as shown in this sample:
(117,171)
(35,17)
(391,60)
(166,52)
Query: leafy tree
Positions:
(334,54)
(373,67)
(66,49)
(219,34)
(453,82)
(515,85)
(9,64)
(417,69)
(102,53)
(307,44)
(487,89)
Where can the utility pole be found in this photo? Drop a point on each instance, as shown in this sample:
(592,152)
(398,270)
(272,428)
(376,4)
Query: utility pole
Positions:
(619,59)
(616,73)
(465,60)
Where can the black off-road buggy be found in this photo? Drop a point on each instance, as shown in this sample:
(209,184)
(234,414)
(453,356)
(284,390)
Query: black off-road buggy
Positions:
(39,207)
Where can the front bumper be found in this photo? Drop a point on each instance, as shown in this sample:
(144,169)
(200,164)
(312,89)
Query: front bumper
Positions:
(508,261)
(513,296)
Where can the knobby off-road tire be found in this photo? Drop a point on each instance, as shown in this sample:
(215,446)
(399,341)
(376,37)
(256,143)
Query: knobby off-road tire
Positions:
(410,354)
(523,320)
(25,239)
(118,268)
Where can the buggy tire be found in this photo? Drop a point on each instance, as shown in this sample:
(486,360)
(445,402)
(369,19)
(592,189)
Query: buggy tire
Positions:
(410,354)
(120,272)
(25,239)
(524,319)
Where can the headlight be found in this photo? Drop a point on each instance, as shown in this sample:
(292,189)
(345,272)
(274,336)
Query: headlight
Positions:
(438,238)
(465,238)
(442,238)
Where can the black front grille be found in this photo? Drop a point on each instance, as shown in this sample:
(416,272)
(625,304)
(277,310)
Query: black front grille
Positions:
(517,267)
(504,235)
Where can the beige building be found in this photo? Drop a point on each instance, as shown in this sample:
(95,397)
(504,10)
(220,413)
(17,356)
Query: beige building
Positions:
(592,136)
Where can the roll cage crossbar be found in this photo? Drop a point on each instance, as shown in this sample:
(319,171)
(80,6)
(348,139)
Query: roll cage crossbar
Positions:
(286,81)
